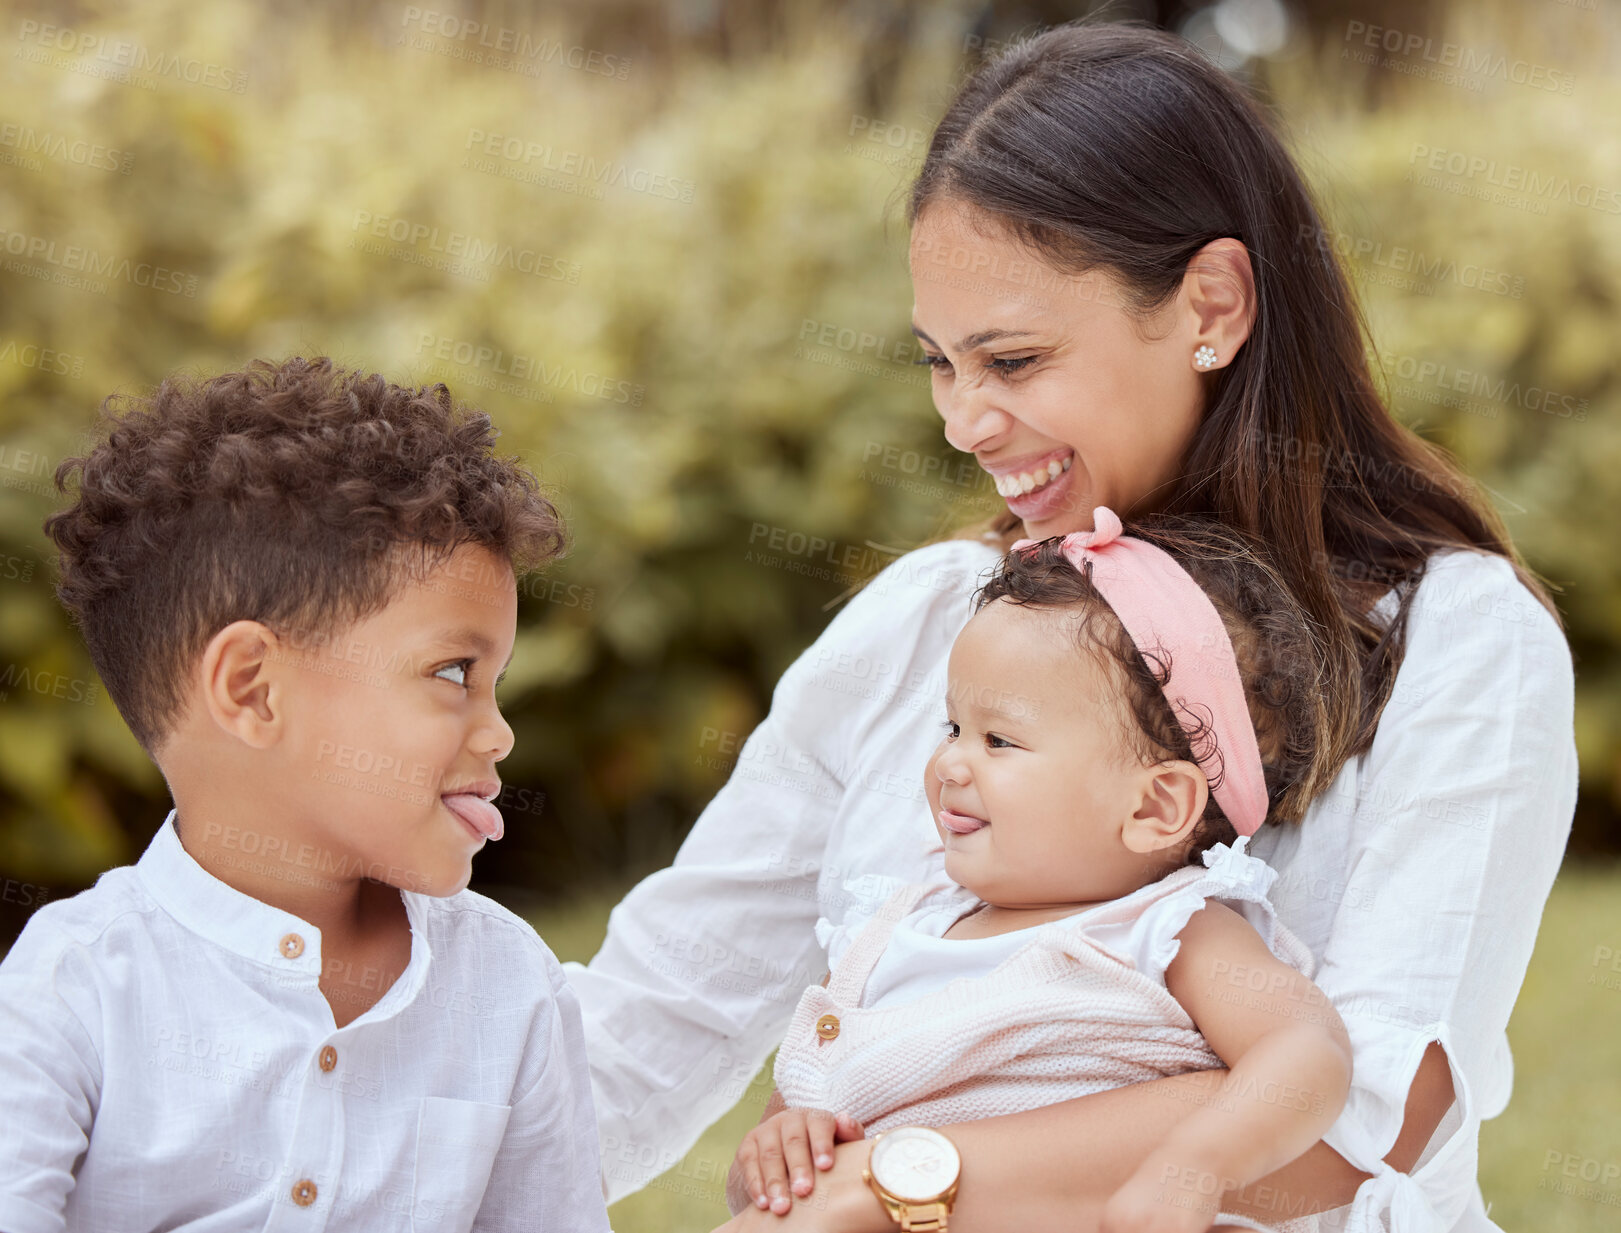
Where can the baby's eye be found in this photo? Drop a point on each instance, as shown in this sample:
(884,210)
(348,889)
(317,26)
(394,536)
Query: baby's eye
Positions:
(461,666)
(996,742)
(951,730)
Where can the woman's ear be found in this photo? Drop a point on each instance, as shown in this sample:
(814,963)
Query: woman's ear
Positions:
(241,691)
(1219,286)
(1173,799)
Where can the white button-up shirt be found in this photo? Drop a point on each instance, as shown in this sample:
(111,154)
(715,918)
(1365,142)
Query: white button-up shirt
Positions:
(167,1060)
(1417,880)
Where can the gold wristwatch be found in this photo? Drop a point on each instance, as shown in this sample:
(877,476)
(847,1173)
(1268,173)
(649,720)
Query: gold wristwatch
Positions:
(913,1170)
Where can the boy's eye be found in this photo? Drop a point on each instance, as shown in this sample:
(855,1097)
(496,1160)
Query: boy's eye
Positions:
(461,666)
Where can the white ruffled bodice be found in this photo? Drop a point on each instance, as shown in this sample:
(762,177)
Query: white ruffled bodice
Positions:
(1141,927)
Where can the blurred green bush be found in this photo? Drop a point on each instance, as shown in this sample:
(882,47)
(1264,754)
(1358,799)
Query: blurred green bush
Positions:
(680,288)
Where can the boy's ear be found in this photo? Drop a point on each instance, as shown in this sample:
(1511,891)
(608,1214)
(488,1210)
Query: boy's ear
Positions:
(240,690)
(1174,795)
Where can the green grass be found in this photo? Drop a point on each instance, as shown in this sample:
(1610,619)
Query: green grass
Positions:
(1566,1036)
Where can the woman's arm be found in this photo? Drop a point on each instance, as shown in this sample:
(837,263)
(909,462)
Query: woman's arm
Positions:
(1051,1170)
(1080,1151)
(1428,1100)
(1452,828)
(704,961)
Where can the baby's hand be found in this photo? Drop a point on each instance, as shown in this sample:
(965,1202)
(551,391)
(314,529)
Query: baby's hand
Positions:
(783,1147)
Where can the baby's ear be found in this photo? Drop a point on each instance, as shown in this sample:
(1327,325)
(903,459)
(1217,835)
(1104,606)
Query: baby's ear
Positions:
(1172,800)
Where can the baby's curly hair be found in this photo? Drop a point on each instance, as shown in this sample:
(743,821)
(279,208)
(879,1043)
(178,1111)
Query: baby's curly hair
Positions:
(1279,654)
(297,494)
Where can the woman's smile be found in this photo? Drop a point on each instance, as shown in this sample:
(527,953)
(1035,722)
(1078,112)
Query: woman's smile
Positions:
(1012,481)
(1037,491)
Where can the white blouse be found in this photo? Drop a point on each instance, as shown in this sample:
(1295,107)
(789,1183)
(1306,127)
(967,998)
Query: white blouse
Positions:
(1417,880)
(168,1061)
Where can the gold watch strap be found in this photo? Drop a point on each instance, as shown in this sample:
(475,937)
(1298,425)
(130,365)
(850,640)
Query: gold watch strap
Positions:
(924,1217)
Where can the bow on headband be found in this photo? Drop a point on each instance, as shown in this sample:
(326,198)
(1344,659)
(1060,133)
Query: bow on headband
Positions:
(1163,608)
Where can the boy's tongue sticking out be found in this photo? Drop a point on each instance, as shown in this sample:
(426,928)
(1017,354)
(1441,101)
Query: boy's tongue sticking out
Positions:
(477,812)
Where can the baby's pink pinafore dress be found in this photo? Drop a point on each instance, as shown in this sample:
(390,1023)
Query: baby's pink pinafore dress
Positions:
(1080,1006)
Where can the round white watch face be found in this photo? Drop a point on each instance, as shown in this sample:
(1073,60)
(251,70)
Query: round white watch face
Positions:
(914,1163)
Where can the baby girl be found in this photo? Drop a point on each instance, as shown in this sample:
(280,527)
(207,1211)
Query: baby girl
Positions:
(1121,715)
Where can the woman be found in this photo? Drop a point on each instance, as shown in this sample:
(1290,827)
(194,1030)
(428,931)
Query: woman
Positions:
(1126,299)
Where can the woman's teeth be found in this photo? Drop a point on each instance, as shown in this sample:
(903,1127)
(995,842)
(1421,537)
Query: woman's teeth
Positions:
(1029,481)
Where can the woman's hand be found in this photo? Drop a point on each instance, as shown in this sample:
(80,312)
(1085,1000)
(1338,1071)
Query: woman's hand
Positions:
(843,1202)
(1165,1195)
(775,1158)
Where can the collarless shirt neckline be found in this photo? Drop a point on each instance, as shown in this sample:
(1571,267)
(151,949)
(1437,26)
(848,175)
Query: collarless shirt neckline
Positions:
(279,940)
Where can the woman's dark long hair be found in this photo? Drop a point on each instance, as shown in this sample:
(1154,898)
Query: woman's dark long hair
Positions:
(1122,148)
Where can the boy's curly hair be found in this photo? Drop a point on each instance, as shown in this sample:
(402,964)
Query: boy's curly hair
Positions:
(297,494)
(1279,652)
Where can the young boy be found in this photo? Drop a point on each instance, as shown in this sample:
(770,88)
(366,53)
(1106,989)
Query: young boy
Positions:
(299,586)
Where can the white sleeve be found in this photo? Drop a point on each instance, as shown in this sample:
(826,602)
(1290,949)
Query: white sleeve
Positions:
(547,1172)
(705,961)
(50,1072)
(861,899)
(1463,808)
(1231,877)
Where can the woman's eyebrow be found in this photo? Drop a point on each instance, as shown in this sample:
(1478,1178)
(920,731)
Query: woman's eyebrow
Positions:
(976,340)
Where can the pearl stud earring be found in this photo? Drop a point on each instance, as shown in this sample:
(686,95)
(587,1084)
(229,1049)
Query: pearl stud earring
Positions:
(1205,356)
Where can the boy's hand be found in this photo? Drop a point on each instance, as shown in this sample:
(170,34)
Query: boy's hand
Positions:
(778,1154)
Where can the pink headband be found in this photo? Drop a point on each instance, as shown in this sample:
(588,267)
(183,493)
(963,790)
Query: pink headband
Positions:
(1163,608)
